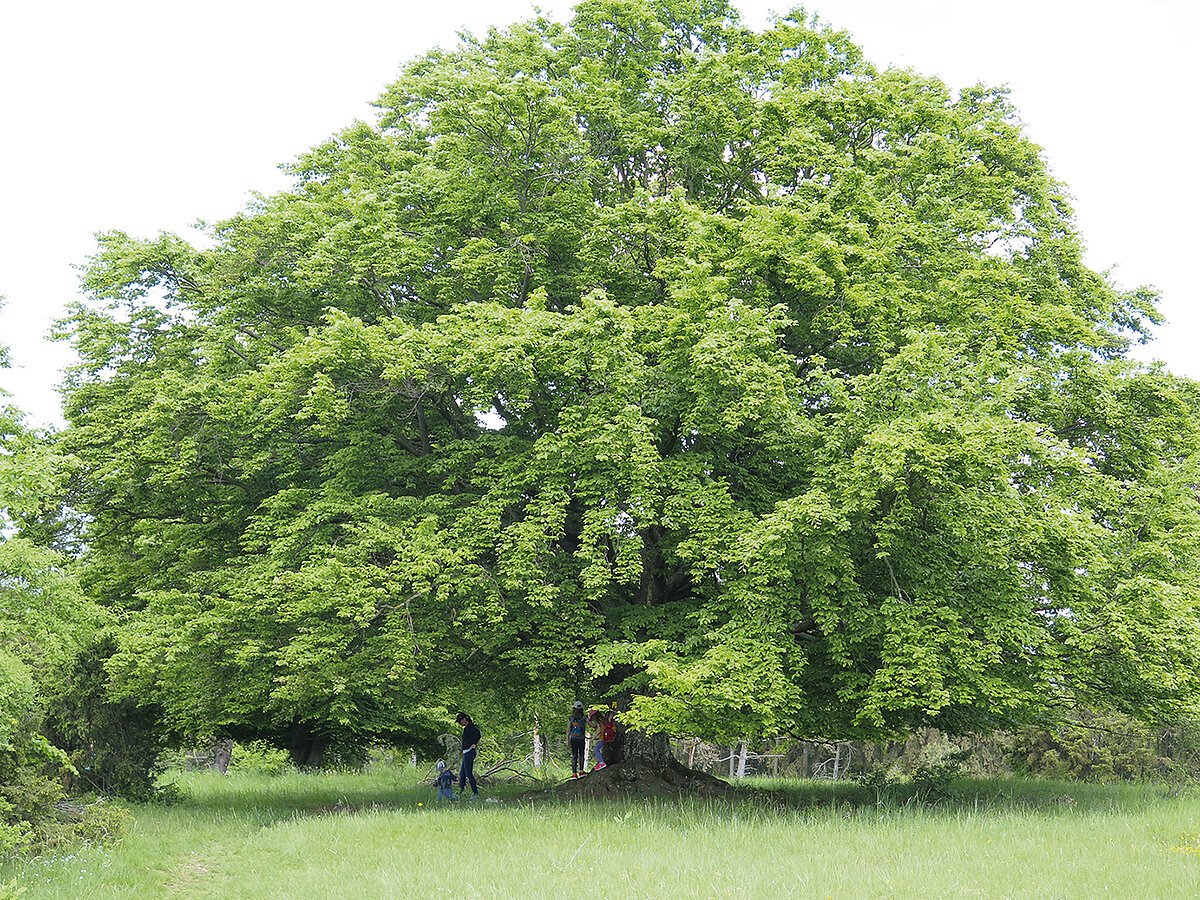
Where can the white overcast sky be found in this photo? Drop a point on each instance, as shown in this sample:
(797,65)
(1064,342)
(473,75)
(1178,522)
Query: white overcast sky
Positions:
(149,115)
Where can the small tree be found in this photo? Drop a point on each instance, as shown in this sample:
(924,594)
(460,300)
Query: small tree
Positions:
(44,620)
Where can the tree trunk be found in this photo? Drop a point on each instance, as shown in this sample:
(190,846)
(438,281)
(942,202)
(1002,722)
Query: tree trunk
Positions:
(537,746)
(641,764)
(654,749)
(306,748)
(741,768)
(224,752)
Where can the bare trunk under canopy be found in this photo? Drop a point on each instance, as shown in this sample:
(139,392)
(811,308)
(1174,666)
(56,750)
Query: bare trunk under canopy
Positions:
(642,764)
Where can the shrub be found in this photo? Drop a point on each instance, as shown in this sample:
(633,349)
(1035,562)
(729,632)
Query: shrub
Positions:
(1103,747)
(260,757)
(31,769)
(103,822)
(116,746)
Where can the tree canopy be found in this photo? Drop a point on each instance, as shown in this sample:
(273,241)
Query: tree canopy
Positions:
(644,355)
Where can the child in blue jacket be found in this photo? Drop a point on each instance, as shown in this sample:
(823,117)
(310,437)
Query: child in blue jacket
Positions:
(445,781)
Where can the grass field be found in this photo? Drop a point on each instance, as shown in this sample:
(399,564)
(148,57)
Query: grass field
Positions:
(364,835)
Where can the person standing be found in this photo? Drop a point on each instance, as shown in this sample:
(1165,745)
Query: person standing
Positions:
(470,747)
(608,733)
(596,719)
(576,737)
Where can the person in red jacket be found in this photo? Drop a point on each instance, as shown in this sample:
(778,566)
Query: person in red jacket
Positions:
(608,733)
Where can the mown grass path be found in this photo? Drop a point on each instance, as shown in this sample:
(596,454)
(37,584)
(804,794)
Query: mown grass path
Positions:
(357,836)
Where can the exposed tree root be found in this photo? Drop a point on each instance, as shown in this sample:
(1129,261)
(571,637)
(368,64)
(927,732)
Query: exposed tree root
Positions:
(637,777)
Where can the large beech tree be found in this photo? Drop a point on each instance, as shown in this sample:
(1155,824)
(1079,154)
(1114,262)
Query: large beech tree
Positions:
(716,371)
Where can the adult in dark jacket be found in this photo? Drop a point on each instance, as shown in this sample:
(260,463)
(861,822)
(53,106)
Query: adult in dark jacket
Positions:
(470,747)
(577,737)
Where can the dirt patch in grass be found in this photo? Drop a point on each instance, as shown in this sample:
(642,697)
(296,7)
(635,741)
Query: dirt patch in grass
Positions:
(189,873)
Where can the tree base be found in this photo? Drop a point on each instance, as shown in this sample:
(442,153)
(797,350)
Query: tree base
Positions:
(639,777)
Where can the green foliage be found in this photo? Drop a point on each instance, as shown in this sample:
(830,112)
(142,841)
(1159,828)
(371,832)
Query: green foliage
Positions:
(934,779)
(645,357)
(33,771)
(16,696)
(102,822)
(44,620)
(115,744)
(30,784)
(1105,747)
(259,757)
(931,781)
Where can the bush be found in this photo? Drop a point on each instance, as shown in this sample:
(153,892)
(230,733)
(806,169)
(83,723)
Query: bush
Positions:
(35,813)
(1104,747)
(934,777)
(103,822)
(930,781)
(31,770)
(116,746)
(259,757)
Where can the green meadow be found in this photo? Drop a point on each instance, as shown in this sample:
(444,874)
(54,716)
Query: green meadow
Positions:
(382,834)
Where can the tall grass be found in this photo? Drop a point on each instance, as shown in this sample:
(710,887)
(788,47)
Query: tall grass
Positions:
(366,836)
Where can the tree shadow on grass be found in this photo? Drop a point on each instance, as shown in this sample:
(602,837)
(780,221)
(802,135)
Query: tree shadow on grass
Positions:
(266,800)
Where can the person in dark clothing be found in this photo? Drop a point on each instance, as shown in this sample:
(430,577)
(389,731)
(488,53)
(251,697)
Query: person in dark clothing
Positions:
(470,747)
(576,737)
